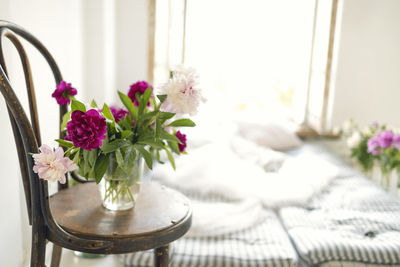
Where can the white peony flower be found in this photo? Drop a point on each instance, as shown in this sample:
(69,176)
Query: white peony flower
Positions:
(367,130)
(348,126)
(354,140)
(183,95)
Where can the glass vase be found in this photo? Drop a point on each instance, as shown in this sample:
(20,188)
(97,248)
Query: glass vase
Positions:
(119,189)
(392,182)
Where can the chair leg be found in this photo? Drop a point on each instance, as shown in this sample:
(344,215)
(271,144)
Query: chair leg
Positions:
(56,256)
(161,256)
(38,253)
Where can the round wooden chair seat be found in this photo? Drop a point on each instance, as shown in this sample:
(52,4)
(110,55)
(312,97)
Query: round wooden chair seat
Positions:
(160,215)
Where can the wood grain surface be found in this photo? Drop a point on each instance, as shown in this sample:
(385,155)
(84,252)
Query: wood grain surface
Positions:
(79,210)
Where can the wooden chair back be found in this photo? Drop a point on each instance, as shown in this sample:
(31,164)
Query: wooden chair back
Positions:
(27,140)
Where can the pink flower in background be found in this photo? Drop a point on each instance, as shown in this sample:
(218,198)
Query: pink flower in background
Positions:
(87,130)
(118,113)
(63,92)
(385,139)
(138,87)
(396,141)
(182,138)
(373,146)
(52,165)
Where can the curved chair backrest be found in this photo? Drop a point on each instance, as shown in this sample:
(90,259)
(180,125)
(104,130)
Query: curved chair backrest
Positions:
(27,139)
(25,131)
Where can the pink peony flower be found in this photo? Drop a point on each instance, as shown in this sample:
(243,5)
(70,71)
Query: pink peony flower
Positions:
(62,93)
(138,87)
(87,130)
(396,141)
(373,146)
(385,139)
(118,113)
(52,165)
(182,138)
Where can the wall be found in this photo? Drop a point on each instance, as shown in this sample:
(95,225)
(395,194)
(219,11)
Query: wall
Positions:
(100,46)
(367,84)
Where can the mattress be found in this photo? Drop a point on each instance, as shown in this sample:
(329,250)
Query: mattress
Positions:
(351,223)
(266,244)
(352,220)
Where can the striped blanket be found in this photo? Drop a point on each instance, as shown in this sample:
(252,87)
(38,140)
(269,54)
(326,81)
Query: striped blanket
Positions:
(352,220)
(351,223)
(267,244)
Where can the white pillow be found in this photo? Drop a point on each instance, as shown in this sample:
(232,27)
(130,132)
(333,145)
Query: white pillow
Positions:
(272,135)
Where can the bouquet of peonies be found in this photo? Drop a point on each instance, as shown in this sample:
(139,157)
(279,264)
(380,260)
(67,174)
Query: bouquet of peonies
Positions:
(110,142)
(375,143)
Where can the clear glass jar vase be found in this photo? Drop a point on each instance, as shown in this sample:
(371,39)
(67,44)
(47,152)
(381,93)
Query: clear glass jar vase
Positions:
(119,189)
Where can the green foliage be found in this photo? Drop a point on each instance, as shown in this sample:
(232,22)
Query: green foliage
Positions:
(107,113)
(388,159)
(76,105)
(129,105)
(362,155)
(182,123)
(141,133)
(65,119)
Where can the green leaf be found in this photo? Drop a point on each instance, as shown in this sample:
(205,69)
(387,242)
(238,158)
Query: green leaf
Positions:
(146,155)
(158,129)
(76,105)
(92,156)
(65,143)
(162,98)
(65,119)
(174,147)
(101,167)
(129,158)
(120,159)
(152,142)
(91,173)
(126,123)
(170,157)
(107,112)
(182,123)
(86,166)
(114,145)
(150,115)
(165,116)
(77,157)
(169,137)
(126,134)
(144,99)
(93,104)
(129,105)
(158,157)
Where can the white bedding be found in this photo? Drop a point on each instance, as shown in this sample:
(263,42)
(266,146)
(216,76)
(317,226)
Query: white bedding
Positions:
(237,171)
(313,229)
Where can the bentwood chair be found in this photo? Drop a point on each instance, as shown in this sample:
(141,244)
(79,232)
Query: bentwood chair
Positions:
(73,218)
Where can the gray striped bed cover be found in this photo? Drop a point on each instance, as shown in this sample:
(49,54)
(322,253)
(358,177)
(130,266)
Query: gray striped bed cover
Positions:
(352,223)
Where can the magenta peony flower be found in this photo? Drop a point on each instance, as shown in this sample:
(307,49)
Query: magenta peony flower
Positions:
(385,139)
(138,87)
(52,165)
(182,138)
(62,93)
(373,146)
(87,130)
(118,113)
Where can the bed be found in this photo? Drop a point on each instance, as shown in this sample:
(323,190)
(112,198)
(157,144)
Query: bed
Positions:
(349,222)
